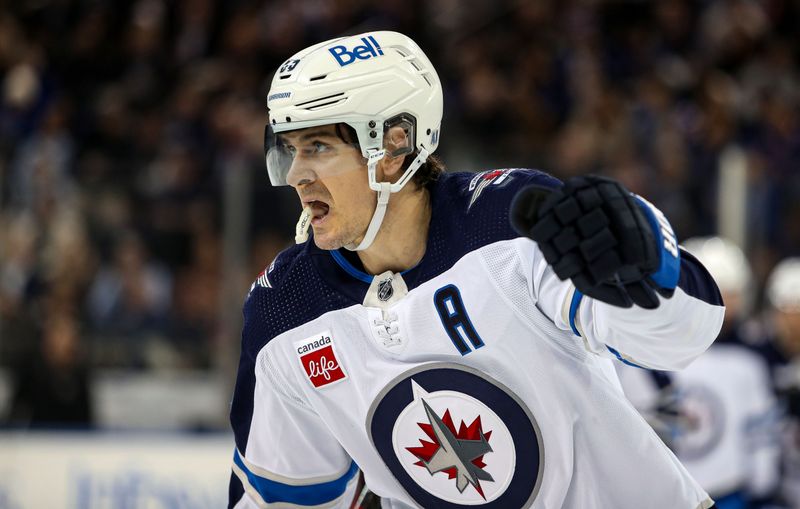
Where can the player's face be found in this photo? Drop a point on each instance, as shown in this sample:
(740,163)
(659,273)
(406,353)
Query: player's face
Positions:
(330,176)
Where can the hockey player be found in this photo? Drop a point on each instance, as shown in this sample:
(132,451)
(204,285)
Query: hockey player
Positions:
(719,413)
(414,336)
(782,352)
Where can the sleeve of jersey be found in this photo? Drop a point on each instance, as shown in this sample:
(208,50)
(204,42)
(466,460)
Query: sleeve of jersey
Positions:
(666,338)
(285,457)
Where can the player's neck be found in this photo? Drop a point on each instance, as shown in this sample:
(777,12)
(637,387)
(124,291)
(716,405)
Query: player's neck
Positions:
(402,238)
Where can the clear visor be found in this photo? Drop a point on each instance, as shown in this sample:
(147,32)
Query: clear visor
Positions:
(309,153)
(324,150)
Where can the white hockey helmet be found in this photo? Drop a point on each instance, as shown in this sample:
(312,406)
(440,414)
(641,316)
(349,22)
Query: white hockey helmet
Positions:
(724,260)
(783,285)
(366,81)
(371,82)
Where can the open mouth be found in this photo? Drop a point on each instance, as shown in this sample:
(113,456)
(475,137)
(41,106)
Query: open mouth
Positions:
(319,211)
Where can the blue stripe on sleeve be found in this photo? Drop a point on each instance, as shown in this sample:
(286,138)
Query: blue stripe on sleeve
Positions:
(621,359)
(669,266)
(309,495)
(697,282)
(573,310)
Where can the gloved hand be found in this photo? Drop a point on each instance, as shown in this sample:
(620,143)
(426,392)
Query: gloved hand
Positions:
(614,246)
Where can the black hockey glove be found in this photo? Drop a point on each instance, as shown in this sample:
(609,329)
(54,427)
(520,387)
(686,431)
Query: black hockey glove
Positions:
(612,244)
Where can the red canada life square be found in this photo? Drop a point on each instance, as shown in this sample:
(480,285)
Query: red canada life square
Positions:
(322,366)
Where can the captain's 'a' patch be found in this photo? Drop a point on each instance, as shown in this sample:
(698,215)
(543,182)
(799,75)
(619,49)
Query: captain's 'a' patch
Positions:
(485,179)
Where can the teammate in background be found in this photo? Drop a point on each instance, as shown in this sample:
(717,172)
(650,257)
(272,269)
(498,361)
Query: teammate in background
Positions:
(421,340)
(782,352)
(718,414)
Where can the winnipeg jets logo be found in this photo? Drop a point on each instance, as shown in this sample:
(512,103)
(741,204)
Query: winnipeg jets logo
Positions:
(263,279)
(459,454)
(493,457)
(484,179)
(700,422)
(454,446)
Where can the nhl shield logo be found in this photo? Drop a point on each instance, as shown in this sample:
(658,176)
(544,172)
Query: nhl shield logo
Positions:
(385,290)
(454,437)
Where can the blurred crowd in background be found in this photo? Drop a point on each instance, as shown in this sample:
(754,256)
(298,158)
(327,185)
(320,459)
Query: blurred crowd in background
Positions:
(131,134)
(121,123)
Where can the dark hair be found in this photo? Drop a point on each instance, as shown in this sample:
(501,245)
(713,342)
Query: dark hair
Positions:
(427,173)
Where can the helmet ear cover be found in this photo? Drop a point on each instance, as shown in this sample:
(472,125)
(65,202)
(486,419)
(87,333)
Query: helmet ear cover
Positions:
(397,147)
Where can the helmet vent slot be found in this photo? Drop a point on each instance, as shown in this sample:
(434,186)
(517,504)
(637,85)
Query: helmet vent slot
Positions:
(319,106)
(313,102)
(320,77)
(415,63)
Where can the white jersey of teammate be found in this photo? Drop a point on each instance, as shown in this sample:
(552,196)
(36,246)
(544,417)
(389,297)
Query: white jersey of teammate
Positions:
(724,422)
(475,379)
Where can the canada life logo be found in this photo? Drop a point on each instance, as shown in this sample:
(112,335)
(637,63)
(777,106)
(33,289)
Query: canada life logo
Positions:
(365,51)
(319,361)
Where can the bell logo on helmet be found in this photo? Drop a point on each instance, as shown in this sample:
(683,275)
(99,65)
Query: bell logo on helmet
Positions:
(368,50)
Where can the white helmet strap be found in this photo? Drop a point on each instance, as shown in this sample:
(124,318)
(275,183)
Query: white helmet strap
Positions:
(384,189)
(377,217)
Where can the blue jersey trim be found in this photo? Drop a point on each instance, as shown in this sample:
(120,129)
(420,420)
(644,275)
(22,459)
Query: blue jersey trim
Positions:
(669,266)
(621,359)
(573,310)
(348,267)
(312,494)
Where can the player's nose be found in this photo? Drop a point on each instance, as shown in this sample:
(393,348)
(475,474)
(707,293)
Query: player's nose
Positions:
(300,173)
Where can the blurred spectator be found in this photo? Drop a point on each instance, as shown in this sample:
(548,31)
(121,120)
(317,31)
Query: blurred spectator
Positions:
(130,299)
(52,386)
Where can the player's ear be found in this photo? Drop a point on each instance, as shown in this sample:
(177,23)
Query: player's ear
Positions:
(397,144)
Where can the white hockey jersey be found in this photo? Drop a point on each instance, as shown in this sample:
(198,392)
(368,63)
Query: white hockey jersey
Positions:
(476,378)
(724,421)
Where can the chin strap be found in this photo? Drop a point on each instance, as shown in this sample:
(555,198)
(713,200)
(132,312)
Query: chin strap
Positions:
(377,218)
(384,189)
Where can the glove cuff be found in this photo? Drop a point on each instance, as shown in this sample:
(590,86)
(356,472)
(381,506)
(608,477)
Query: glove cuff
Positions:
(669,267)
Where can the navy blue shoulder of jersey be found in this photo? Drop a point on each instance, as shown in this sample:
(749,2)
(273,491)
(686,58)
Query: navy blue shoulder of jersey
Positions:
(286,295)
(471,210)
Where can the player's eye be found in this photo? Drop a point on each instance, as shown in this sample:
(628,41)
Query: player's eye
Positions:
(320,147)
